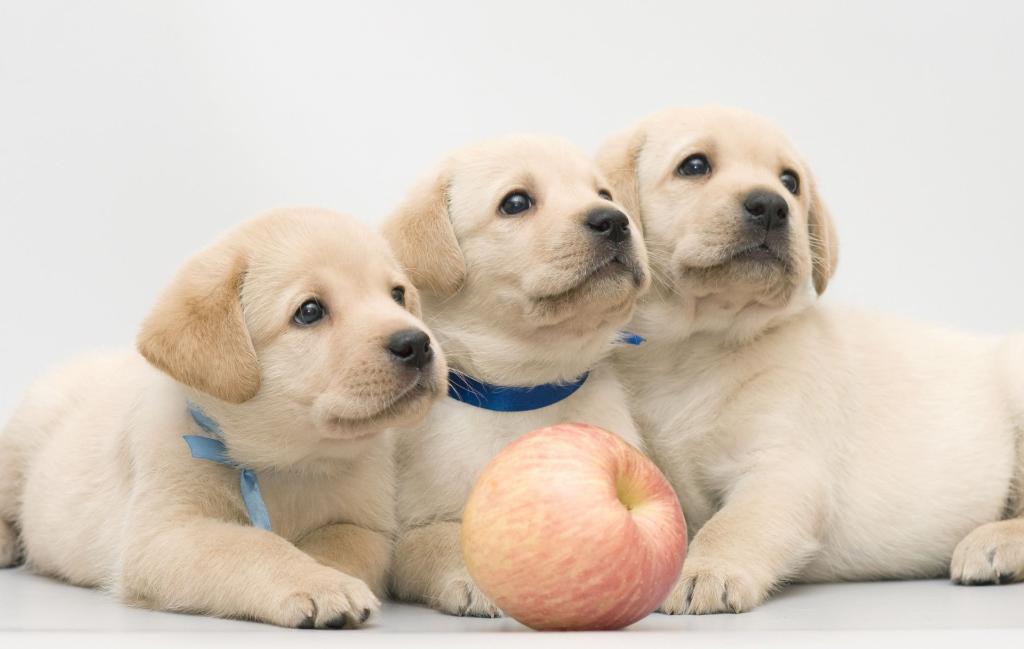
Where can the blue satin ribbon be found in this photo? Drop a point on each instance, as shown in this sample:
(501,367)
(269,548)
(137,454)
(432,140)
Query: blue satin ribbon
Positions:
(630,338)
(505,398)
(214,450)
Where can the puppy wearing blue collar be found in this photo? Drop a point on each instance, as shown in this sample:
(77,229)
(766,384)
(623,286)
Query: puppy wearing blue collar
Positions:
(528,267)
(246,470)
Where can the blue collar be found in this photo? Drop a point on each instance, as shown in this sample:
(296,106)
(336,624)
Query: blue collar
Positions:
(503,398)
(214,450)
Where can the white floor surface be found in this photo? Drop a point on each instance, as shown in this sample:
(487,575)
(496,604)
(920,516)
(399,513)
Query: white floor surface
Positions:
(35,611)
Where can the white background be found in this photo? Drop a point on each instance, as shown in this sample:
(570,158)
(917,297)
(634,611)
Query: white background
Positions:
(132,133)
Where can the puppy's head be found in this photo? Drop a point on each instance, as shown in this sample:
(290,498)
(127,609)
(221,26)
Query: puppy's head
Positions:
(303,318)
(730,211)
(520,239)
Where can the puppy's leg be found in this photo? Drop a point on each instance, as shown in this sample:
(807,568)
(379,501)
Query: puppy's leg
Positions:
(228,570)
(429,569)
(353,550)
(21,439)
(765,531)
(994,552)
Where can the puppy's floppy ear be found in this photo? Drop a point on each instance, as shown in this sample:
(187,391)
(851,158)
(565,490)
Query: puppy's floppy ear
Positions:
(197,332)
(422,237)
(617,159)
(824,241)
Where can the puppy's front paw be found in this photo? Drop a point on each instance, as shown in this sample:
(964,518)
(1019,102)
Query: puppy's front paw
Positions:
(327,599)
(460,596)
(9,553)
(714,587)
(991,554)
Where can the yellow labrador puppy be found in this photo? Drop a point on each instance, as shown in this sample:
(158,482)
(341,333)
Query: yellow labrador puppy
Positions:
(528,268)
(282,353)
(805,442)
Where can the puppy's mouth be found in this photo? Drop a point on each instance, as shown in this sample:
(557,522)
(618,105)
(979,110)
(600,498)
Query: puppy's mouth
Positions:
(761,253)
(393,408)
(759,262)
(613,267)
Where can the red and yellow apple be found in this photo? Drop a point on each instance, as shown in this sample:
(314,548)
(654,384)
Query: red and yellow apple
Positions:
(571,528)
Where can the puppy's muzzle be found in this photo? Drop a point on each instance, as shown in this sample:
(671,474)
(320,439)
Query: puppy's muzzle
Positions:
(764,232)
(411,348)
(609,225)
(610,230)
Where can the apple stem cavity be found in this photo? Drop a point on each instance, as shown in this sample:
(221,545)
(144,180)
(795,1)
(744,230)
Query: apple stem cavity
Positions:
(625,490)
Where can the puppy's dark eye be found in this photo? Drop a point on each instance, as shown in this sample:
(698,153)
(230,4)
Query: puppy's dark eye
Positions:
(515,203)
(605,194)
(398,295)
(695,165)
(790,181)
(309,313)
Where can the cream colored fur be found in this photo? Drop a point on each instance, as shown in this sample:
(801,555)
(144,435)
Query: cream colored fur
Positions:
(97,480)
(806,442)
(514,300)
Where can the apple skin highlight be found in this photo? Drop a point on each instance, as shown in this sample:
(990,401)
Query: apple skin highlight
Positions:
(571,528)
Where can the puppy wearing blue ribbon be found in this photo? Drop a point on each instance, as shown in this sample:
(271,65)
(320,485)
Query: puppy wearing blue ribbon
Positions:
(528,268)
(246,470)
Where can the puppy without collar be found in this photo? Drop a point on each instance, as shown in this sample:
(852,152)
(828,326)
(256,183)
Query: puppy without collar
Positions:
(296,341)
(805,442)
(528,268)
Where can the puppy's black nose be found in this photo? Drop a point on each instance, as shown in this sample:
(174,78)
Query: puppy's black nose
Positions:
(608,223)
(766,210)
(411,347)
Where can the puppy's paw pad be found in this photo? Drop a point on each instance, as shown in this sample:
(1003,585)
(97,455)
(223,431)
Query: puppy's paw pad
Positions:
(10,554)
(991,554)
(460,596)
(717,589)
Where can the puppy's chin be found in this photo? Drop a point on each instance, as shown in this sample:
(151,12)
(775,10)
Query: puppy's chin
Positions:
(340,421)
(769,270)
(607,292)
